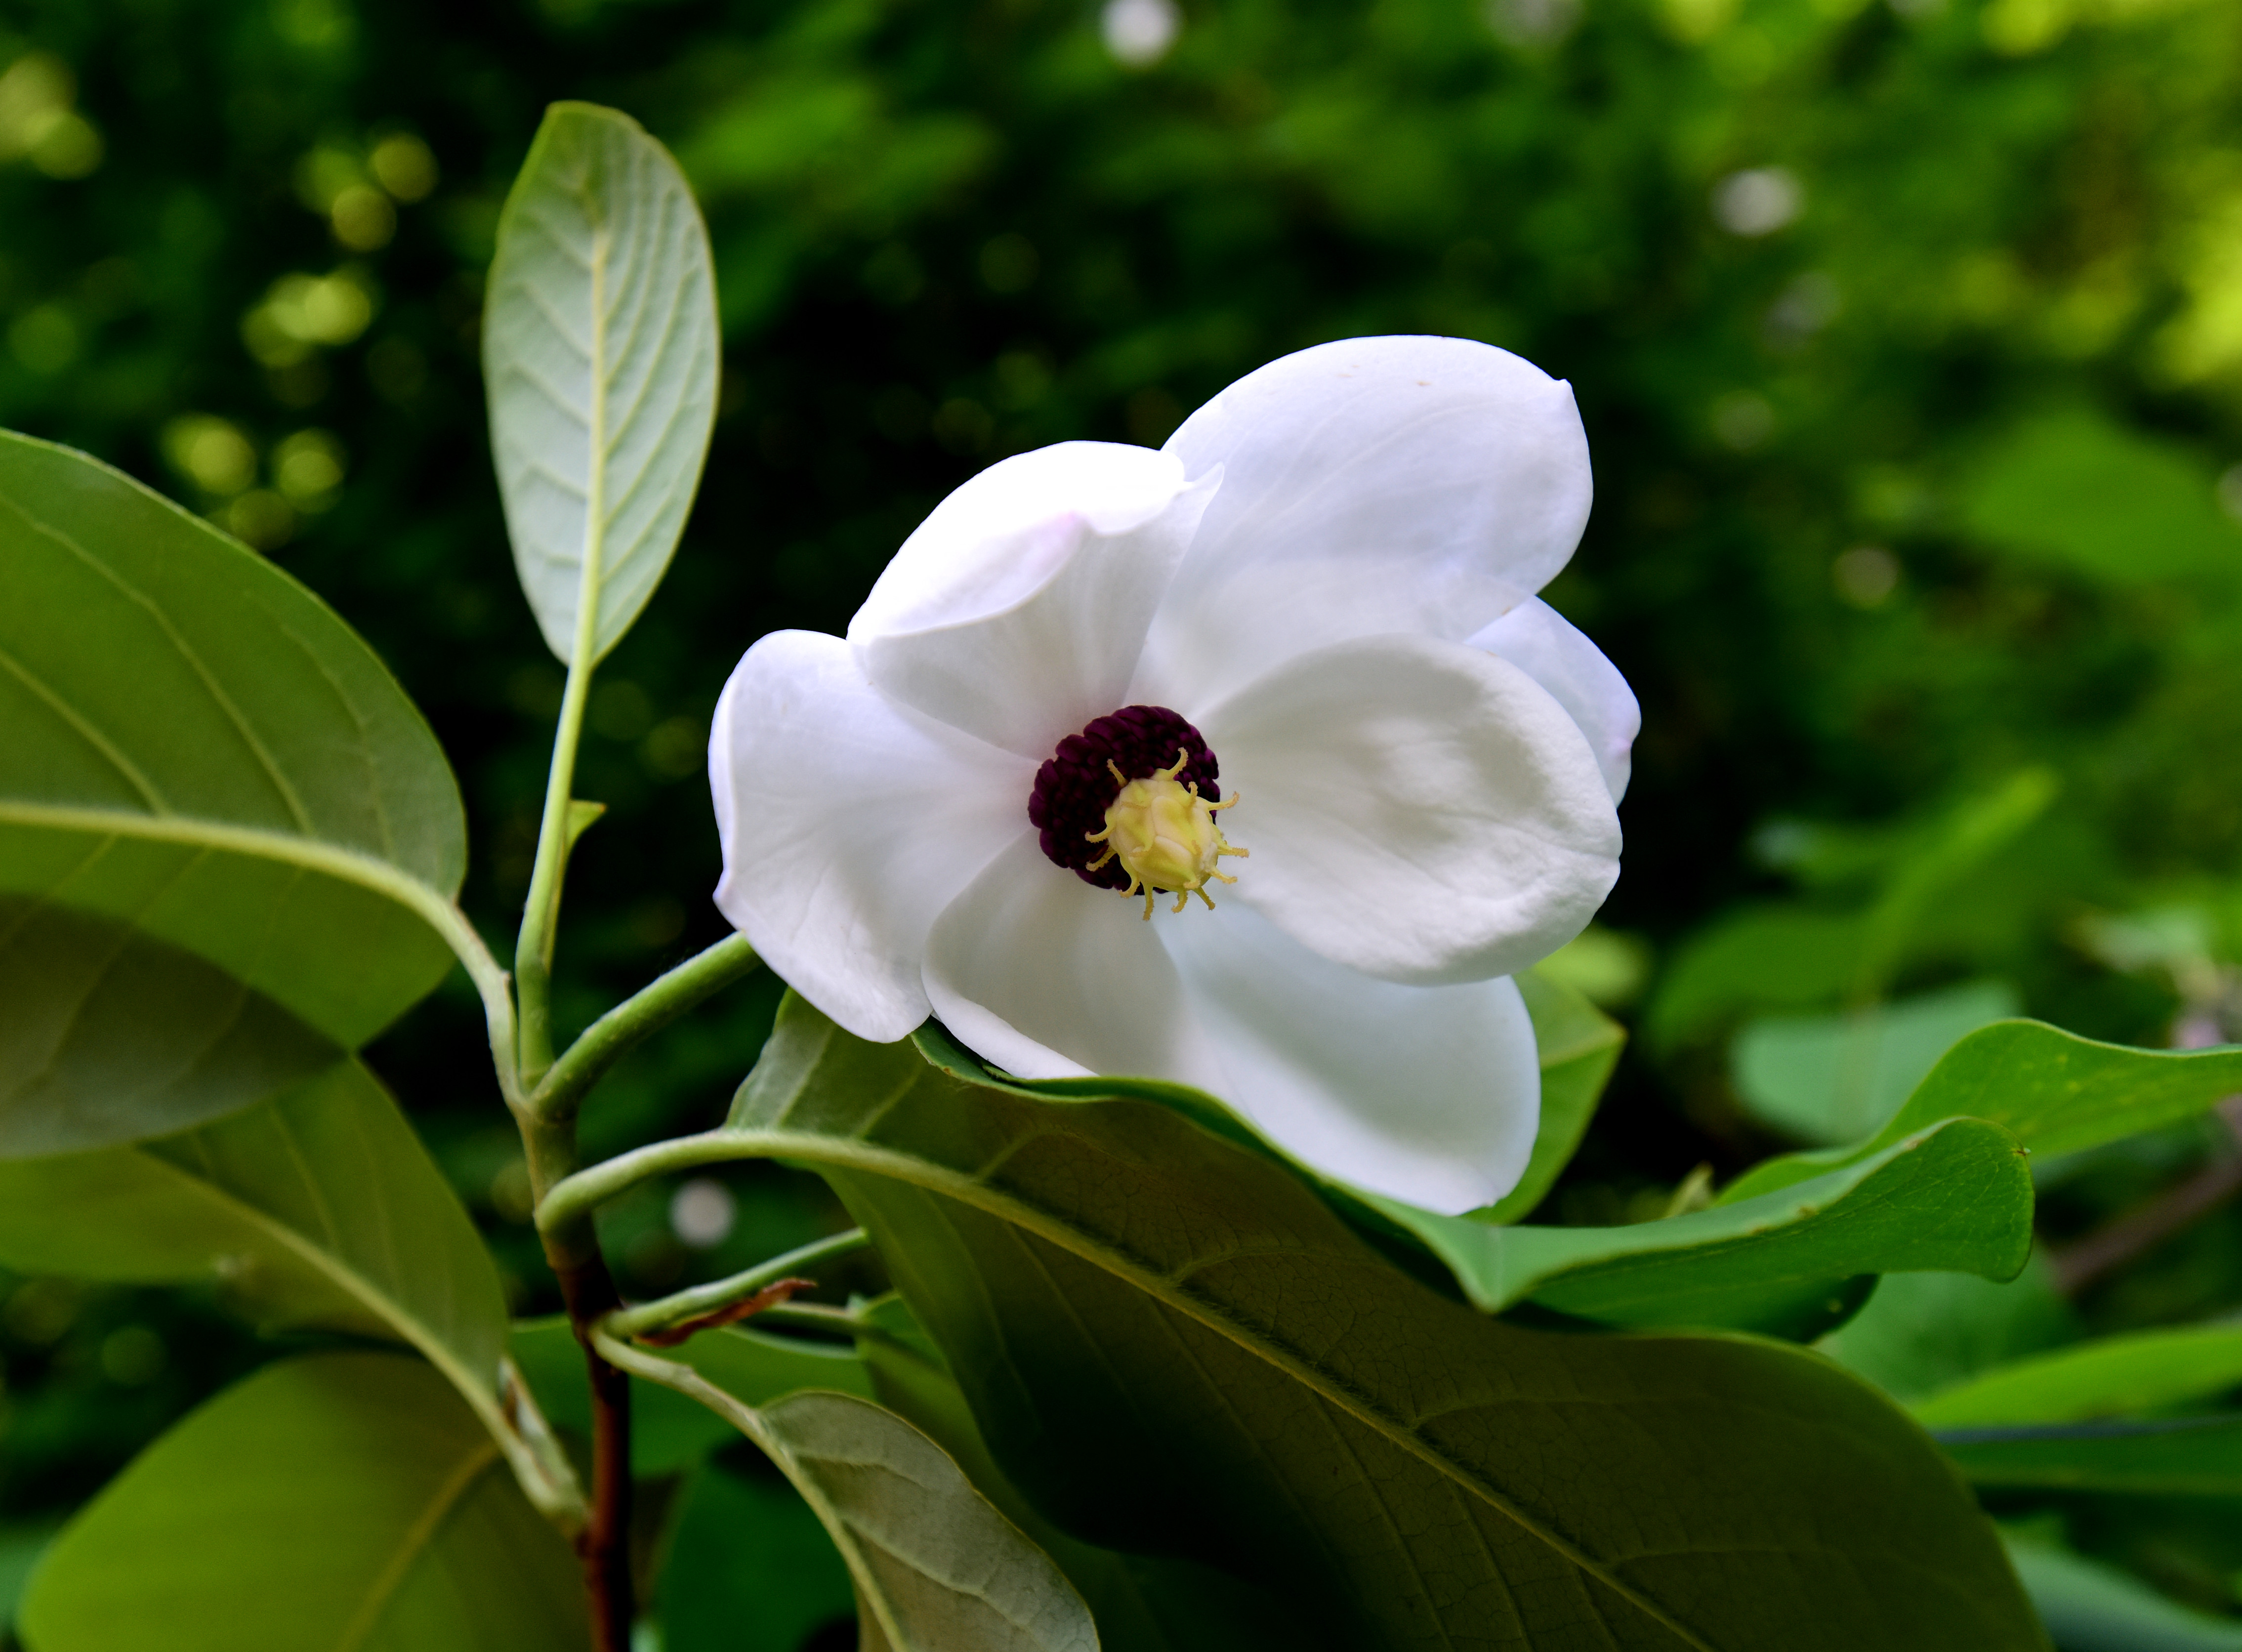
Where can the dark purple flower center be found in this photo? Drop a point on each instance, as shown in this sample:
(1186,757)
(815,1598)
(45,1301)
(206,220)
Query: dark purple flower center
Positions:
(1074,788)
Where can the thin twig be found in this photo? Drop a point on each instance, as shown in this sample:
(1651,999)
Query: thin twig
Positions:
(2135,1233)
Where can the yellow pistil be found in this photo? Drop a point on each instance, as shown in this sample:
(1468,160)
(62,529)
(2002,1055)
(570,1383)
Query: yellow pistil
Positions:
(1166,836)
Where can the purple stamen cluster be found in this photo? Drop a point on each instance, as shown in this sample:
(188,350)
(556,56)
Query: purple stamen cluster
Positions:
(1074,788)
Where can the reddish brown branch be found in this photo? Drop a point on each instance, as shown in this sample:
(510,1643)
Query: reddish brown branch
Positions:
(2140,1230)
(604,1546)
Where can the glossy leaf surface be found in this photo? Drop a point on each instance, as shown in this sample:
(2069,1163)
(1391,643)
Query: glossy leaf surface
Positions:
(1160,1333)
(343,1502)
(599,351)
(1958,1197)
(2054,1090)
(207,777)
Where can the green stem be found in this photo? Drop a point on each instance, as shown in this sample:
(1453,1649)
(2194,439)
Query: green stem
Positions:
(572,1198)
(701,1300)
(533,957)
(615,1034)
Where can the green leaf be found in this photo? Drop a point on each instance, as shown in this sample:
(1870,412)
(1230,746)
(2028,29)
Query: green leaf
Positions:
(942,1570)
(321,1208)
(1920,1333)
(1580,1046)
(2111,1377)
(1173,1345)
(208,778)
(344,1500)
(935,1567)
(2121,506)
(2054,1090)
(2088,1607)
(1956,1197)
(1832,1079)
(1756,957)
(2190,1457)
(748,1566)
(600,350)
(1142,1603)
(670,1433)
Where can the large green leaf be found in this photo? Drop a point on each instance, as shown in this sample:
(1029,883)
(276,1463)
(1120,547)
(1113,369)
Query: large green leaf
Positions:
(2111,1377)
(228,843)
(1173,1345)
(1956,1197)
(2054,1090)
(599,351)
(2092,1607)
(2190,1457)
(1142,1603)
(321,1208)
(937,1568)
(342,1501)
(748,1566)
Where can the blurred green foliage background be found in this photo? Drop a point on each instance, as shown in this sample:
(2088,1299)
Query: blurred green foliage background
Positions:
(1908,334)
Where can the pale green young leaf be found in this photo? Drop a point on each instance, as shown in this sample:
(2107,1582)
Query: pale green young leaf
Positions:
(206,778)
(601,356)
(1173,1345)
(342,1502)
(2054,1090)
(320,1208)
(1957,1197)
(2114,1376)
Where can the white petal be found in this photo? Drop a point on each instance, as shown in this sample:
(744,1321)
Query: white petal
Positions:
(1404,484)
(1050,977)
(847,824)
(1018,609)
(1430,1095)
(1418,810)
(1543,644)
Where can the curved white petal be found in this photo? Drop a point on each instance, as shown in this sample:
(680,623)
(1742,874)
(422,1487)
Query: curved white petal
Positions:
(1050,977)
(1418,485)
(1543,644)
(1430,1095)
(1017,611)
(847,824)
(1418,810)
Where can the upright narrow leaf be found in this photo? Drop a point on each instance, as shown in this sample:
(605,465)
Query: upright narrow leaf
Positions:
(599,351)
(2113,1376)
(1174,1346)
(207,782)
(345,1502)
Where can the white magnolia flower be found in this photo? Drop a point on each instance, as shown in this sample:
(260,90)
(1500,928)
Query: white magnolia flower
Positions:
(1317,600)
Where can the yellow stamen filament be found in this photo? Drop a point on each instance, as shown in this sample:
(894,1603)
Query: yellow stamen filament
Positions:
(1165,835)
